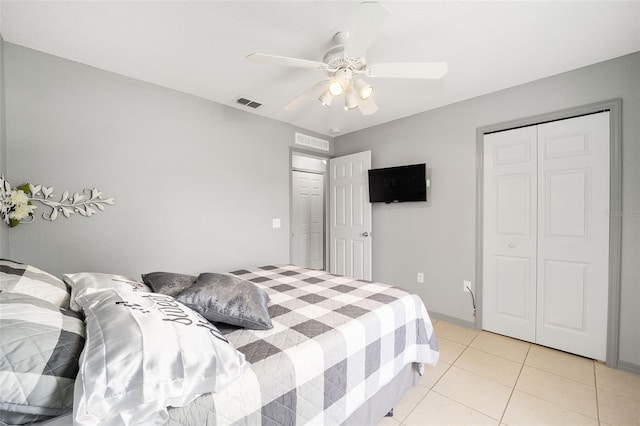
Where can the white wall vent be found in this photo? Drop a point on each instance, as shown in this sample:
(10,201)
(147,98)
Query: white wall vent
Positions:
(312,142)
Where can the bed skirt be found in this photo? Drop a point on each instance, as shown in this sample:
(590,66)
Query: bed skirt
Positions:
(374,409)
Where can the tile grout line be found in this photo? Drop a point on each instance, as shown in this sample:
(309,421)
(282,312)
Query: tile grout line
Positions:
(494,354)
(465,405)
(595,383)
(559,406)
(468,345)
(431,389)
(428,391)
(441,376)
(562,377)
(597,418)
(505,407)
(565,378)
(513,389)
(559,375)
(414,407)
(523,363)
(529,344)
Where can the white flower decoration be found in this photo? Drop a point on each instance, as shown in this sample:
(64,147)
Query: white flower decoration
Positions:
(16,205)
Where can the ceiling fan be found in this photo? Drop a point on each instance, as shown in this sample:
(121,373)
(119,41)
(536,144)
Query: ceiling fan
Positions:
(345,62)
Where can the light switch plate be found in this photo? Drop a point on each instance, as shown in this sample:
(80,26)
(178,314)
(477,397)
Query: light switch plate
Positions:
(276,223)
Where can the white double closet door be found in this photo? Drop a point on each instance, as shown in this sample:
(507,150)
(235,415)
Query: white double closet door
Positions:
(546,234)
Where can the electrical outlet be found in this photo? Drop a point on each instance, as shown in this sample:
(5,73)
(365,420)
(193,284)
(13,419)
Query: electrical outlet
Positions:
(420,277)
(466,284)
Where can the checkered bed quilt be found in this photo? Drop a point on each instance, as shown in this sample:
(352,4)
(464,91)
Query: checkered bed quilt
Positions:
(26,279)
(39,348)
(335,342)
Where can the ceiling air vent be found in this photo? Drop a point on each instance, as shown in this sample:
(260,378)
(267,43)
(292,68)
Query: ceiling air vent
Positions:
(312,142)
(248,102)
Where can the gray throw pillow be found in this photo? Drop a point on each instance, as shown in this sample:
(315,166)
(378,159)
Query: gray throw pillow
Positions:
(168,283)
(228,299)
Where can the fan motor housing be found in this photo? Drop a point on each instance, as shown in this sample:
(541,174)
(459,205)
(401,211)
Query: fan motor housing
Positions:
(335,58)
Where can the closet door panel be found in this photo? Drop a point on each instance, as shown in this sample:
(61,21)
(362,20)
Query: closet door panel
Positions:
(565,281)
(573,234)
(509,239)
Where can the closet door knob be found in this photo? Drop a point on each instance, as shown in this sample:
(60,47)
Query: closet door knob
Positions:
(512,245)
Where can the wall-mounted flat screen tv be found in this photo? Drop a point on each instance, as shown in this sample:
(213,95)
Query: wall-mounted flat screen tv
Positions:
(398,184)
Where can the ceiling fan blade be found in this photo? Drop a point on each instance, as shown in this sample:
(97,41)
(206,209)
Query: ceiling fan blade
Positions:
(367,106)
(261,58)
(371,16)
(408,70)
(313,91)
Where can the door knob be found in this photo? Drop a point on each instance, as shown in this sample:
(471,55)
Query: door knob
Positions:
(512,245)
(365,234)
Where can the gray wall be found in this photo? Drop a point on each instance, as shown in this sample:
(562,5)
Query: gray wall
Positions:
(4,232)
(438,237)
(196,183)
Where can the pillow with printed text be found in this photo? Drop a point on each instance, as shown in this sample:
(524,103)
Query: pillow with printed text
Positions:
(93,282)
(145,352)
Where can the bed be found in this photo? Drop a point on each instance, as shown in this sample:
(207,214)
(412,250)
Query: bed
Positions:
(339,351)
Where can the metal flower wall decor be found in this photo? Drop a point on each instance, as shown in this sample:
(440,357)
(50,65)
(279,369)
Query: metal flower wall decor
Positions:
(17,204)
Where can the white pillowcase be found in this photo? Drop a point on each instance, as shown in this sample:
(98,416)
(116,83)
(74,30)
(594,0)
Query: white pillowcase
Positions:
(92,282)
(143,353)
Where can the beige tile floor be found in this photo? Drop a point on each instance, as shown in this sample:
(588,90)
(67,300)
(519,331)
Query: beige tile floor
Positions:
(487,379)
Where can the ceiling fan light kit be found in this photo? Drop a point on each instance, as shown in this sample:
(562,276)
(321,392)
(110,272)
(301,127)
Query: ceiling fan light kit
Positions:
(326,98)
(346,58)
(364,89)
(350,99)
(343,83)
(335,88)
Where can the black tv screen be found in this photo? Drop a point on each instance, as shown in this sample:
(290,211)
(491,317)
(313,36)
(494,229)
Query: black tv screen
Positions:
(398,184)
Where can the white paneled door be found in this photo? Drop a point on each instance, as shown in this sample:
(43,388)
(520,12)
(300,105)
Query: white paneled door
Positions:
(546,234)
(510,233)
(307,227)
(573,234)
(350,216)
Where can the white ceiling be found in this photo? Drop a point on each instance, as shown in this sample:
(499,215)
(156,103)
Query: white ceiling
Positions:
(200,47)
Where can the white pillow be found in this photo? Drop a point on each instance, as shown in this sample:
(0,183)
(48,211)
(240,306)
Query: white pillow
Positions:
(92,282)
(143,353)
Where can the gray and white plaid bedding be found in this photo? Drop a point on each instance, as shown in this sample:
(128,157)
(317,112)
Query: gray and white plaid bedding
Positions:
(335,342)
(26,279)
(39,348)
